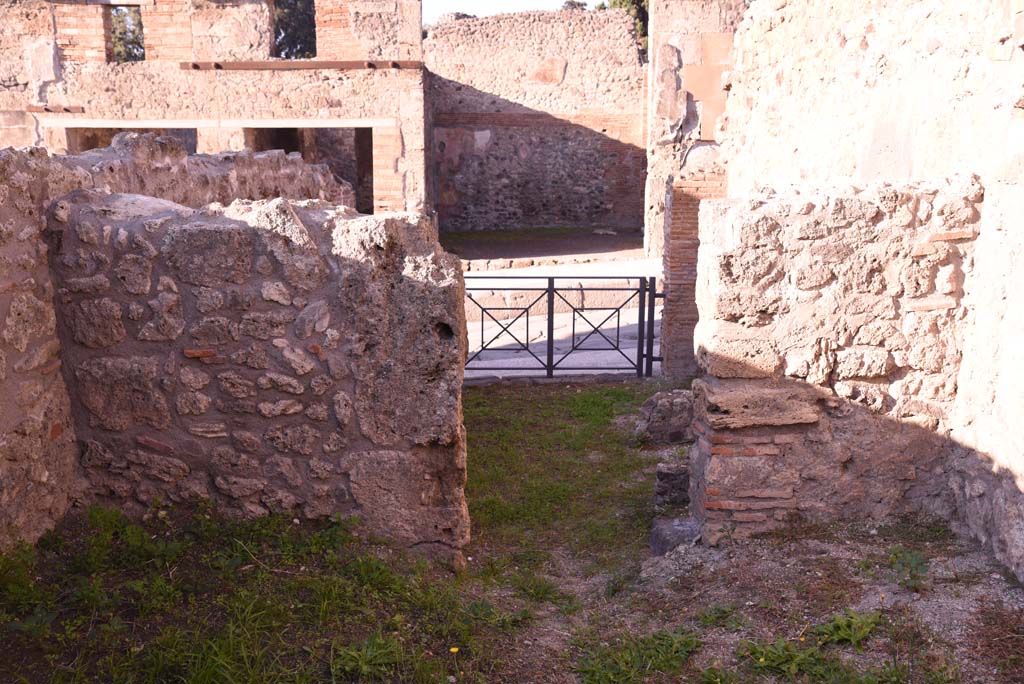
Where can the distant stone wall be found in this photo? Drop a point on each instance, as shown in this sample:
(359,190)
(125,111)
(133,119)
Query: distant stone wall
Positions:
(369,29)
(537,121)
(830,339)
(269,357)
(37,449)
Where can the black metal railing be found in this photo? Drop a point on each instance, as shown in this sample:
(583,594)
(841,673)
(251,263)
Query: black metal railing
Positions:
(504,325)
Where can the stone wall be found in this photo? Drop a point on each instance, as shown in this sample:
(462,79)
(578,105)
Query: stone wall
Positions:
(690,48)
(37,448)
(537,120)
(825,89)
(878,371)
(369,29)
(830,336)
(269,357)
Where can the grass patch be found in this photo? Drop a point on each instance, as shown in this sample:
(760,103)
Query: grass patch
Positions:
(200,599)
(189,596)
(725,617)
(909,567)
(634,658)
(535,478)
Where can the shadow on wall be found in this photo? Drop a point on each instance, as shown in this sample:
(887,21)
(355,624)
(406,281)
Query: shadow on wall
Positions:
(839,339)
(516,167)
(772,449)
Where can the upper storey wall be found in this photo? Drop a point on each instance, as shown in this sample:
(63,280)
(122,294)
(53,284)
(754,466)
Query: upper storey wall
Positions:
(185,30)
(557,62)
(369,29)
(55,78)
(891,90)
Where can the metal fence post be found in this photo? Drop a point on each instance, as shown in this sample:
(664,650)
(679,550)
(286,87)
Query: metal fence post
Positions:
(652,286)
(551,328)
(641,329)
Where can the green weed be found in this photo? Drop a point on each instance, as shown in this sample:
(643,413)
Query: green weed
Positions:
(849,628)
(637,657)
(723,616)
(374,660)
(909,567)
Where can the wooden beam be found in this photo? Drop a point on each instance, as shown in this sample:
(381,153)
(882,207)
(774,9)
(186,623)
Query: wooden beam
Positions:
(55,109)
(299,64)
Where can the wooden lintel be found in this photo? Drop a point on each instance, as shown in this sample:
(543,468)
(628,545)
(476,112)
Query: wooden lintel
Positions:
(298,64)
(55,109)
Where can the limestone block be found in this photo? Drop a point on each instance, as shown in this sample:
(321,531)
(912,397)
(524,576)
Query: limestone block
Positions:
(863,362)
(736,404)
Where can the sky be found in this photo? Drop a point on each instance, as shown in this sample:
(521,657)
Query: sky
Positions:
(432,9)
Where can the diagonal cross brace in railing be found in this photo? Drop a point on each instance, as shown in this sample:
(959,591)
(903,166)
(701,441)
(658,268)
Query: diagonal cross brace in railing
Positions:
(603,321)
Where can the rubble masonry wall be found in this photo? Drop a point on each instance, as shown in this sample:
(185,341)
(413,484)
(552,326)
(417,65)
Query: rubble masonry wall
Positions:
(269,356)
(537,121)
(37,439)
(859,312)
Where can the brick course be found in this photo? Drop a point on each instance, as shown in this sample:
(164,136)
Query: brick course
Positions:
(680,264)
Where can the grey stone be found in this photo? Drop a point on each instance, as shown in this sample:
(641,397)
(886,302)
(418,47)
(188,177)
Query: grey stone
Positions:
(209,255)
(122,392)
(314,318)
(672,484)
(135,274)
(215,331)
(666,418)
(237,386)
(267,325)
(282,383)
(670,533)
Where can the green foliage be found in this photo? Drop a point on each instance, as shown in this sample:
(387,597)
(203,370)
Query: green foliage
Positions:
(850,628)
(484,612)
(294,29)
(723,616)
(373,660)
(19,592)
(574,5)
(714,675)
(810,664)
(780,658)
(909,567)
(126,34)
(635,658)
(551,466)
(535,587)
(374,574)
(154,594)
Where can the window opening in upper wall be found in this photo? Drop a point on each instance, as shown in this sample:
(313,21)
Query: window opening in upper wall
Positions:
(125,41)
(294,29)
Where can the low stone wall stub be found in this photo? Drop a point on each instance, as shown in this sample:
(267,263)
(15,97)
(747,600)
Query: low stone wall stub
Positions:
(267,356)
(829,342)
